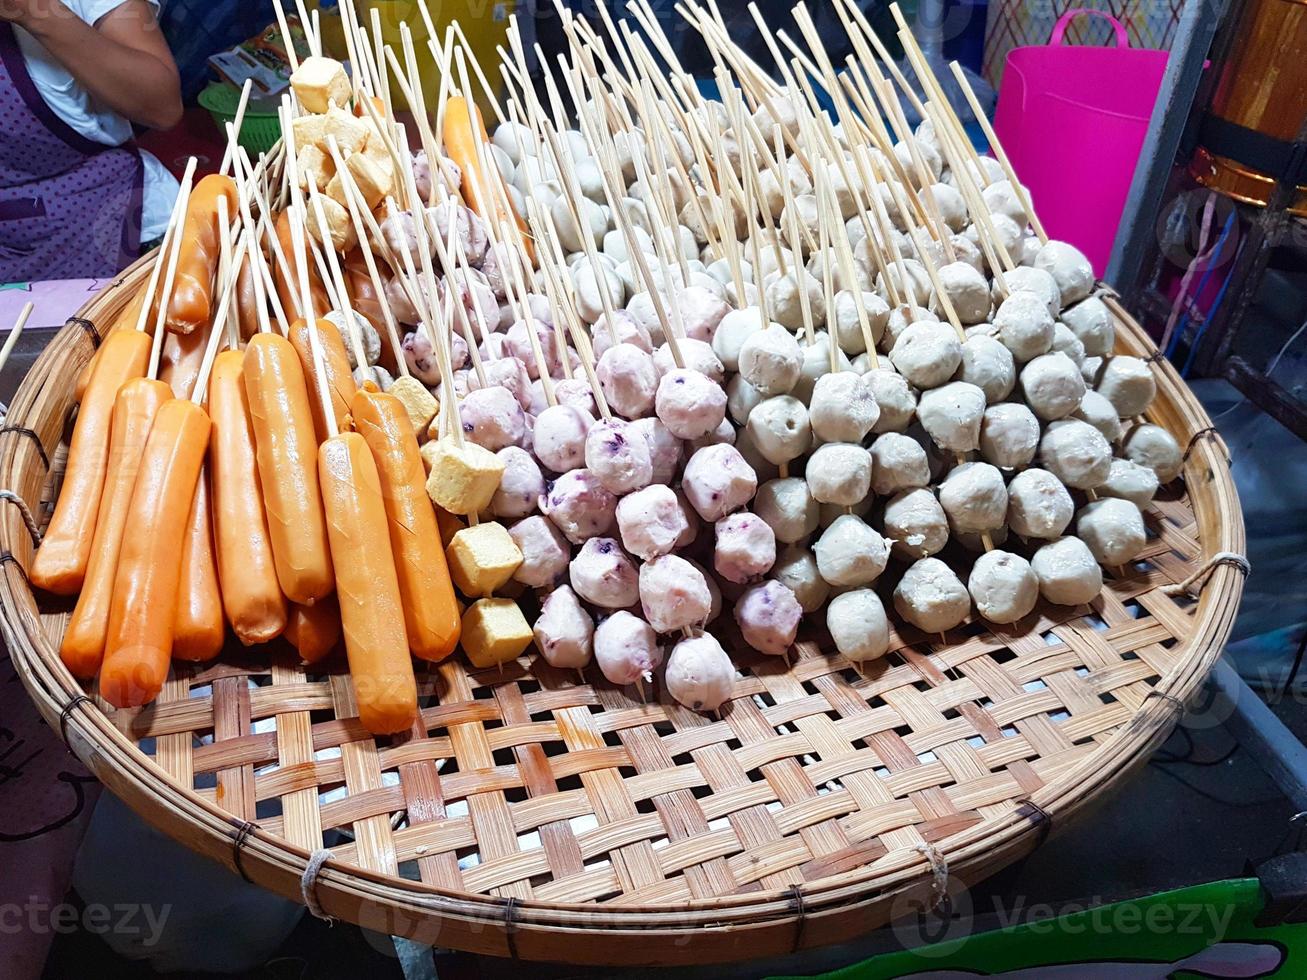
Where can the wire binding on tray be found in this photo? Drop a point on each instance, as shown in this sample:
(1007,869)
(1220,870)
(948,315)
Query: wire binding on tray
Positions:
(1200,577)
(1155,693)
(510,925)
(88,326)
(8,556)
(309,884)
(33,528)
(244,829)
(68,709)
(938,873)
(36,440)
(1156,357)
(1036,814)
(1202,434)
(800,915)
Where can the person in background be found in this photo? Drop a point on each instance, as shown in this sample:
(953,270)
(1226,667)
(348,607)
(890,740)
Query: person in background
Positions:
(77,197)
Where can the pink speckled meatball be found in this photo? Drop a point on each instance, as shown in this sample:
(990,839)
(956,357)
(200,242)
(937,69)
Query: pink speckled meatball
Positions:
(717,480)
(746,548)
(544,552)
(769,615)
(690,404)
(695,354)
(674,594)
(421,359)
(576,393)
(651,521)
(579,505)
(665,451)
(517,342)
(520,487)
(468,229)
(629,380)
(560,437)
(506,372)
(618,455)
(564,631)
(492,418)
(626,648)
(701,312)
(626,329)
(603,574)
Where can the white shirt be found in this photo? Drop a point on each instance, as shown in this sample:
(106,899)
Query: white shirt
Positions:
(98,123)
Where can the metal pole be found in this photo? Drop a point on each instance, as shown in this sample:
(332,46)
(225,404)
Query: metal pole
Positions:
(1184,70)
(1261,734)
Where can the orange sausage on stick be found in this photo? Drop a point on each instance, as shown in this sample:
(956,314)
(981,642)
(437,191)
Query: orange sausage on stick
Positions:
(431,615)
(465,142)
(198,629)
(61,560)
(190,307)
(134,410)
(286,273)
(314,630)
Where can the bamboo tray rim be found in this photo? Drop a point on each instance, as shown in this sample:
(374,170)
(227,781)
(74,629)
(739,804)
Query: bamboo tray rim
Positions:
(277,863)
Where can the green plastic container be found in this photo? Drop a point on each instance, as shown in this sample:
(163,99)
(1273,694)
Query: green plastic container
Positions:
(260,129)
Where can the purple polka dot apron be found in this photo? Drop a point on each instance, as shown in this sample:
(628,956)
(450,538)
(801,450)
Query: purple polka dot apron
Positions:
(70,208)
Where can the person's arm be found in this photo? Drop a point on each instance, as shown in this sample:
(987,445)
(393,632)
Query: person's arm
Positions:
(123,60)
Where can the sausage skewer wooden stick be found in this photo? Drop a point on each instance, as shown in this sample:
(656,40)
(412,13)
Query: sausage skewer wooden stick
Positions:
(234,127)
(839,244)
(792,222)
(342,293)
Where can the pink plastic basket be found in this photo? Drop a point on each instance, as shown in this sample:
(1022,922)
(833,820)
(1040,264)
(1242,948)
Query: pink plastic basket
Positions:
(1072,119)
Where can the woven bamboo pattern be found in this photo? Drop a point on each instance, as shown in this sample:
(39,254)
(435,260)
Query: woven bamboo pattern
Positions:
(540,815)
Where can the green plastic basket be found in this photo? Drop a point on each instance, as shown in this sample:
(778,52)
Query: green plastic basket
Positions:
(260,129)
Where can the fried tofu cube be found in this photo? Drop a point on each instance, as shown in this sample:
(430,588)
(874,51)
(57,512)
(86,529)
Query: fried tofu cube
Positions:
(481,558)
(420,404)
(375,150)
(349,132)
(495,632)
(464,478)
(315,167)
(372,184)
(340,227)
(309,130)
(320,81)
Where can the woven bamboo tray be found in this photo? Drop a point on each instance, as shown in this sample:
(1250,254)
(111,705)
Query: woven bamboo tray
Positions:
(536,817)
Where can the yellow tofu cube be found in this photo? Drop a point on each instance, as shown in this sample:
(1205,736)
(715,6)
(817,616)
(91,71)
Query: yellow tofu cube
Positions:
(420,404)
(315,167)
(481,558)
(495,632)
(463,479)
(320,81)
(309,130)
(372,184)
(340,226)
(349,131)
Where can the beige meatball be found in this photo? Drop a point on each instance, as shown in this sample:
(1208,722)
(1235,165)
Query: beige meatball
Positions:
(931,597)
(796,569)
(732,331)
(895,397)
(1091,321)
(1002,198)
(1025,327)
(1130,481)
(1100,413)
(839,473)
(1069,268)
(967,290)
(1066,342)
(1113,530)
(910,279)
(1052,386)
(974,498)
(1027,279)
(848,325)
(842,408)
(787,294)
(952,416)
(1152,446)
(1003,586)
(988,365)
(1076,453)
(1009,435)
(779,429)
(927,353)
(916,523)
(1128,383)
(1039,506)
(770,360)
(858,625)
(816,364)
(788,508)
(699,674)
(898,462)
(902,317)
(1067,572)
(850,552)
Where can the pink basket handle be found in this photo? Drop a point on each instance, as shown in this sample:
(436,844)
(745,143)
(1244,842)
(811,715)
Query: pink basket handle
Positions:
(1063,22)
